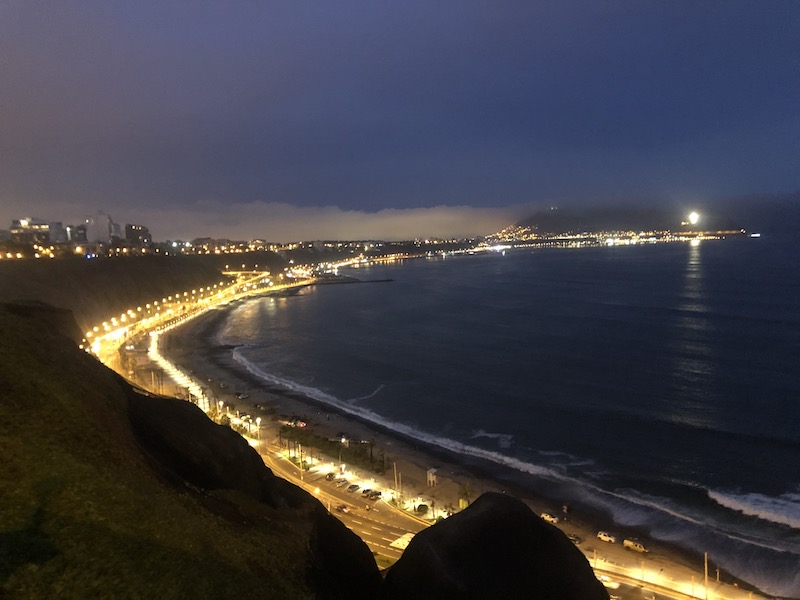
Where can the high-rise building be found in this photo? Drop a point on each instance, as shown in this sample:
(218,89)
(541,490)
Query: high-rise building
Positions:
(76,233)
(99,228)
(137,235)
(58,235)
(30,231)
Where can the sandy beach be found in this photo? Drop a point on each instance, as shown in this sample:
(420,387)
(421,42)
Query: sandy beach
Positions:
(194,347)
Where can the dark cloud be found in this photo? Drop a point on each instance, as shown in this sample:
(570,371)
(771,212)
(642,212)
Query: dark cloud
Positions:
(129,106)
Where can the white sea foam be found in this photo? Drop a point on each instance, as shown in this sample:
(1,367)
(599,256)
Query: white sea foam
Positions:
(783,509)
(768,562)
(370,395)
(504,440)
(626,514)
(566,460)
(627,506)
(288,384)
(632,499)
(401,428)
(220,336)
(619,502)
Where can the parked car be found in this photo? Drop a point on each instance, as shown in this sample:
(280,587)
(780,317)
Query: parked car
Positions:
(608,582)
(635,545)
(574,539)
(352,488)
(606,537)
(343,508)
(374,495)
(549,518)
(330,476)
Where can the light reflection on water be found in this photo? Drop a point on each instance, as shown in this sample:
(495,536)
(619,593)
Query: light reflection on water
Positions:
(693,360)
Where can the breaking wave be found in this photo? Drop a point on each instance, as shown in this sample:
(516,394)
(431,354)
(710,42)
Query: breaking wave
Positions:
(400,428)
(370,395)
(783,509)
(665,519)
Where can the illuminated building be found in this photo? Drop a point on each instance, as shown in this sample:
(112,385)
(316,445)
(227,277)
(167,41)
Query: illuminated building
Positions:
(30,231)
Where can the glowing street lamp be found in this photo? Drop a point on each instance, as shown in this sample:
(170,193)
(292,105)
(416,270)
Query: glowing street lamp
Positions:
(693,218)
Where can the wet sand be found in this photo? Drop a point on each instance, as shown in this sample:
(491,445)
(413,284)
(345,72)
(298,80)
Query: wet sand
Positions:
(194,347)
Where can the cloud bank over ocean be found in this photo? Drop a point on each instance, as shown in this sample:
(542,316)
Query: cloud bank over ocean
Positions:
(280,222)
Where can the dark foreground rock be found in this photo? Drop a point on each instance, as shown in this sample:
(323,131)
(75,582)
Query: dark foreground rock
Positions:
(497,548)
(191,450)
(182,440)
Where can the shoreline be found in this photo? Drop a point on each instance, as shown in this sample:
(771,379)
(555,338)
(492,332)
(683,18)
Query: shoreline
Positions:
(194,347)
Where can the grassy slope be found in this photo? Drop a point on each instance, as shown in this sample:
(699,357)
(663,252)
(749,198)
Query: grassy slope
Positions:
(81,512)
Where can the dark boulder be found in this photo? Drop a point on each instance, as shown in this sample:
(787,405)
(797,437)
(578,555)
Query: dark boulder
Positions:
(189,449)
(496,548)
(342,565)
(184,441)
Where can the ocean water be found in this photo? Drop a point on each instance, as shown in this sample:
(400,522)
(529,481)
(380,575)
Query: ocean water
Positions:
(659,383)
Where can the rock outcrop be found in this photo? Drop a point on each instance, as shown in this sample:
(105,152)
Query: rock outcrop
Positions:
(195,451)
(190,450)
(496,548)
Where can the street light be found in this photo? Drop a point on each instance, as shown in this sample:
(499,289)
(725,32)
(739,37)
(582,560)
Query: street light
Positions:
(258,433)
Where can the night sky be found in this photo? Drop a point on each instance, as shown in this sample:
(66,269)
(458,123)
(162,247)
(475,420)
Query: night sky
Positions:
(306,120)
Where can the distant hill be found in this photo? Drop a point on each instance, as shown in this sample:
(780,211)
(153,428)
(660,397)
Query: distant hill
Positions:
(770,213)
(775,214)
(554,221)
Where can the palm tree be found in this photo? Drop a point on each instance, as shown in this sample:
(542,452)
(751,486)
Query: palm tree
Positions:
(465,493)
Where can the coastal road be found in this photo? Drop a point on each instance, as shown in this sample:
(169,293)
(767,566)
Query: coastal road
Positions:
(379,526)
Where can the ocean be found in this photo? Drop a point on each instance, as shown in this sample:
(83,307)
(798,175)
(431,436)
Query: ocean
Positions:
(658,383)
